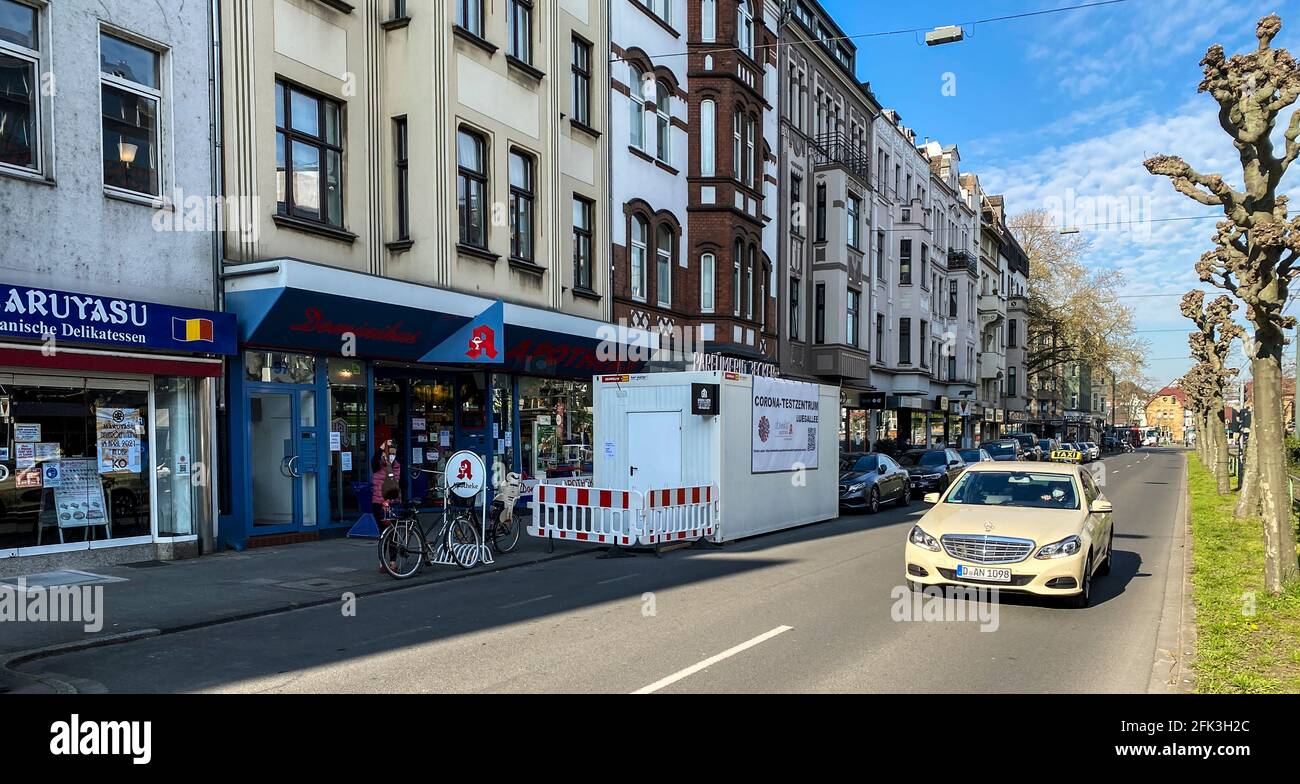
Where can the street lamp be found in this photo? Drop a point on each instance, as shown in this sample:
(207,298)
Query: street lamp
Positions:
(948,34)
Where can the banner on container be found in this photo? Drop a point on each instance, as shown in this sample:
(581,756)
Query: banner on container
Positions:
(785,422)
(117,435)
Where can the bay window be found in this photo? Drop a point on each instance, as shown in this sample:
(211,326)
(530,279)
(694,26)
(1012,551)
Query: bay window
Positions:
(708,140)
(708,268)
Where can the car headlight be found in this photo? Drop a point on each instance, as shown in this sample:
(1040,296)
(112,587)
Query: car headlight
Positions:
(857,487)
(922,539)
(1062,549)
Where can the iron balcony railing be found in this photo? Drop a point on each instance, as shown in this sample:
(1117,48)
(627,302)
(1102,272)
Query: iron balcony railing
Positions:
(837,149)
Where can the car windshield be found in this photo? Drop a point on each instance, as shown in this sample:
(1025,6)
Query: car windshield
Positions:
(859,464)
(1045,444)
(970,455)
(1000,449)
(1015,488)
(927,459)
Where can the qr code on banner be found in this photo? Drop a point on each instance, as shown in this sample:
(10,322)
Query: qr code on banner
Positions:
(812,440)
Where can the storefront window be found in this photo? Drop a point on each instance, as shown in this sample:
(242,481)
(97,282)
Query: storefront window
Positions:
(503,428)
(349,475)
(888,426)
(279,367)
(74,453)
(555,427)
(182,469)
(432,421)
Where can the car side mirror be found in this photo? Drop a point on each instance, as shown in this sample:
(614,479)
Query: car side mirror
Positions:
(932,498)
(881,469)
(1102,506)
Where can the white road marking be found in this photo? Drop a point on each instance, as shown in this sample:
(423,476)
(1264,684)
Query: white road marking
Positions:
(616,579)
(526,601)
(712,660)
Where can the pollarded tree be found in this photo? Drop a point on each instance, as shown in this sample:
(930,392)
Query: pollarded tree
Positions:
(1257,249)
(1197,394)
(1210,344)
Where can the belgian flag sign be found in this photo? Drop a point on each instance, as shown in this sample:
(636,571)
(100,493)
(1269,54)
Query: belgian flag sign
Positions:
(192,330)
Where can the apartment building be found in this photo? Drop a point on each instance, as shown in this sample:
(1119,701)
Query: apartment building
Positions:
(424,262)
(110,344)
(826,225)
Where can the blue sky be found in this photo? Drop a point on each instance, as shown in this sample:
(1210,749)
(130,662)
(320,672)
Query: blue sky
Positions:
(1059,111)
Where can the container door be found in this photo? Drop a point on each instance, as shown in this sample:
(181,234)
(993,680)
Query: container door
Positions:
(654,450)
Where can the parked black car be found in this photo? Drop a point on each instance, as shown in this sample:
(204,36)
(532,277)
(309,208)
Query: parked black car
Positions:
(868,480)
(1029,448)
(932,470)
(1003,450)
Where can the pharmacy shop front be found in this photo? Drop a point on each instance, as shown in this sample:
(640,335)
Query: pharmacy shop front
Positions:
(107,411)
(333,364)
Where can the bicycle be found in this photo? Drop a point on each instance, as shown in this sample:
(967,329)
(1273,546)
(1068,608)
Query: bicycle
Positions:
(405,547)
(504,531)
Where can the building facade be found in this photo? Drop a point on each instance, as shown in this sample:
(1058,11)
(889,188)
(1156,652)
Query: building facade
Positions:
(426,259)
(1167,411)
(110,346)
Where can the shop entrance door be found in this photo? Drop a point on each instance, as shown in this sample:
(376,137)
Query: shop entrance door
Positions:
(654,450)
(284,456)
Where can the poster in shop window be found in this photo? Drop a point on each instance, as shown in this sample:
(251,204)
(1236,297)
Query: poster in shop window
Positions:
(785,421)
(79,496)
(117,436)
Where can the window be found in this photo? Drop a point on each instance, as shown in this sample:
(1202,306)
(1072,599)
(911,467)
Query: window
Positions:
(749,151)
(924,345)
(905,262)
(744,28)
(737,253)
(952,298)
(639,250)
(403,179)
(708,20)
(660,8)
(821,212)
(130,91)
(749,282)
(581,109)
(521,205)
(664,266)
(521,30)
(796,206)
(582,209)
(819,313)
(708,269)
(636,106)
(471,188)
(925,256)
(399,9)
(880,256)
(880,337)
(737,142)
(1011,381)
(469,15)
(308,142)
(20,64)
(708,138)
(905,341)
(1011,334)
(663,121)
(851,324)
(794,308)
(854,209)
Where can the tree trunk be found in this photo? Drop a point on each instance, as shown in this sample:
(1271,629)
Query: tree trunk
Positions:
(1248,499)
(1219,442)
(1280,567)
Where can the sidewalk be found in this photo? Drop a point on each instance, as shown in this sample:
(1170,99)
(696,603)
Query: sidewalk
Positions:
(156,596)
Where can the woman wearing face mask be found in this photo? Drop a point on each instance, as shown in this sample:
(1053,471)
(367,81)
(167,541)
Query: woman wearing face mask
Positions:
(385,476)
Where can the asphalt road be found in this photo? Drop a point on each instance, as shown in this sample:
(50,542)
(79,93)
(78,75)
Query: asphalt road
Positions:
(809,610)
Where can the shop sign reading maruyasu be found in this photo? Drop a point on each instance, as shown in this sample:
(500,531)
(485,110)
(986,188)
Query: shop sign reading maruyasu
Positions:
(38,314)
(117,436)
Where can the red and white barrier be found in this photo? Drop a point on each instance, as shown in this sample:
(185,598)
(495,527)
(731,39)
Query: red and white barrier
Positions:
(678,514)
(587,514)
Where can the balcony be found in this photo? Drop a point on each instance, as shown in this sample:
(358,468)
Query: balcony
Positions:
(992,310)
(991,366)
(959,260)
(836,149)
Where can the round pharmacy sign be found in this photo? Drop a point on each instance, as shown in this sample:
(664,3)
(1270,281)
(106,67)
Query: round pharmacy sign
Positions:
(465,477)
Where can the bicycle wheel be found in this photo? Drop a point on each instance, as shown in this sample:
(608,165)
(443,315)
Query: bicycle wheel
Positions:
(505,535)
(404,553)
(463,541)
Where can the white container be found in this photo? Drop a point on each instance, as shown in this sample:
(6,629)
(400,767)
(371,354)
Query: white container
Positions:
(646,437)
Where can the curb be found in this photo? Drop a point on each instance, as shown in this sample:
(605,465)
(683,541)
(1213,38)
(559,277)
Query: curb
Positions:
(23,657)
(1171,671)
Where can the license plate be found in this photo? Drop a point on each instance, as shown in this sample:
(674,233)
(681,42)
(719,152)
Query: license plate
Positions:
(985,573)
